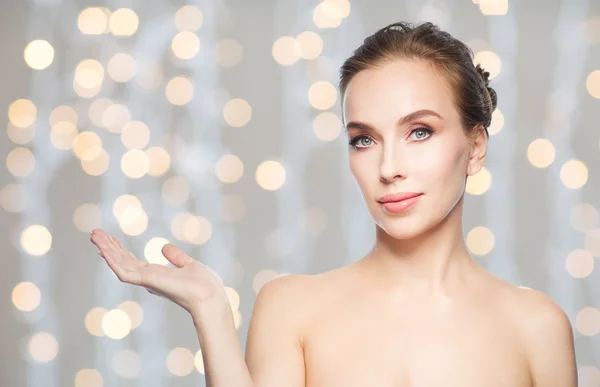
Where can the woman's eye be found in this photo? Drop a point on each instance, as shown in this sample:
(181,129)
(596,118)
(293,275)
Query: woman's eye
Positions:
(359,140)
(421,133)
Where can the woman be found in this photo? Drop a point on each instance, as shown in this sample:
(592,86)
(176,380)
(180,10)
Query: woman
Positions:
(417,310)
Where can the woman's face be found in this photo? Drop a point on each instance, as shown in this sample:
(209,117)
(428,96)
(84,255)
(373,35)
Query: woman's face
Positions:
(424,154)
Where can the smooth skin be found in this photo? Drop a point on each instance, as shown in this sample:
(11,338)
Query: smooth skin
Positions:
(417,310)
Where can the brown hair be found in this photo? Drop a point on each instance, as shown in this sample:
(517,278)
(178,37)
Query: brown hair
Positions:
(473,97)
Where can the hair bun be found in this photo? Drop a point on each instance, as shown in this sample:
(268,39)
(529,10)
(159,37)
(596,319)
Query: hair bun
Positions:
(485,75)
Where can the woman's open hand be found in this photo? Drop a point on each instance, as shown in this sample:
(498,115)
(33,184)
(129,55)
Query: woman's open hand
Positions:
(190,284)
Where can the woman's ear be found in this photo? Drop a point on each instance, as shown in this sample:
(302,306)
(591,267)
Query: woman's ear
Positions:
(478,142)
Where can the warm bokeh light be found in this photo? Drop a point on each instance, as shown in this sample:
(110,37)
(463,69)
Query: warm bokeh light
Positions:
(179,90)
(185,45)
(199,361)
(495,7)
(92,21)
(237,112)
(229,168)
(580,263)
(36,240)
(116,324)
(13,197)
(127,364)
(63,113)
(84,141)
(574,174)
(592,83)
(327,16)
(176,190)
(327,126)
(233,297)
(286,50)
(180,361)
(188,18)
(124,202)
(497,122)
(88,377)
(97,109)
(39,54)
(480,240)
(178,223)
(121,67)
(20,162)
(228,52)
(159,161)
(20,136)
(43,347)
(93,321)
(197,230)
(135,163)
(587,321)
(135,135)
(322,95)
(311,45)
(270,175)
(95,161)
(479,183)
(115,117)
(489,61)
(123,22)
(134,311)
(87,217)
(89,75)
(26,296)
(22,113)
(541,153)
(133,221)
(153,251)
(584,217)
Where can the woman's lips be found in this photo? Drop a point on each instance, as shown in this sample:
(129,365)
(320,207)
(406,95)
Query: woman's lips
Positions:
(401,205)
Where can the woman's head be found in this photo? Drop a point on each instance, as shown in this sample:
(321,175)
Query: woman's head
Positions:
(400,70)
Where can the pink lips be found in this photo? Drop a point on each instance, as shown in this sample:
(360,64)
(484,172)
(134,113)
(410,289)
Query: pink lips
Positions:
(398,202)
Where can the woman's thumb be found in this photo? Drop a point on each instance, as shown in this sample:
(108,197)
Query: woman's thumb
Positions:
(175,255)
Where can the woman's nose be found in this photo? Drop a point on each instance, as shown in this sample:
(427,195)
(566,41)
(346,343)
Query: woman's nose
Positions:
(391,166)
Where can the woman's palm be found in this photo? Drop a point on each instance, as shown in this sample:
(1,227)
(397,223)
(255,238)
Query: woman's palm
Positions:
(189,284)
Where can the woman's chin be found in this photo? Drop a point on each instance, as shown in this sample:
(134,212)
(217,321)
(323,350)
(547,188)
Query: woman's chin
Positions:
(401,229)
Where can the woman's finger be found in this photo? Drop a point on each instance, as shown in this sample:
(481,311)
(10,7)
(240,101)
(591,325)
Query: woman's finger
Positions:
(118,259)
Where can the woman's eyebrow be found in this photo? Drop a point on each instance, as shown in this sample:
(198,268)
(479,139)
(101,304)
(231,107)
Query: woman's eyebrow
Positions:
(403,120)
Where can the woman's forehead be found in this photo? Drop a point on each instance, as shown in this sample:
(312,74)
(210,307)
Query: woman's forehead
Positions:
(396,90)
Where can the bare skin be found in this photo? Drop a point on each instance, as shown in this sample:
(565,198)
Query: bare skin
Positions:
(417,311)
(361,333)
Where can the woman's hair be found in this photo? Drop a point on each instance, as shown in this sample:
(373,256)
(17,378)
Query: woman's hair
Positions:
(453,59)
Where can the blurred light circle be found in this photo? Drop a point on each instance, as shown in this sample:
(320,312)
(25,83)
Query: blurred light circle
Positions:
(123,22)
(574,174)
(26,296)
(479,183)
(22,113)
(188,18)
(121,67)
(92,21)
(116,324)
(43,347)
(185,45)
(322,95)
(39,54)
(36,240)
(20,162)
(286,50)
(179,91)
(270,175)
(237,112)
(153,251)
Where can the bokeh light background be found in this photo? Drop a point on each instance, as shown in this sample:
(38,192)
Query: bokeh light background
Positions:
(216,126)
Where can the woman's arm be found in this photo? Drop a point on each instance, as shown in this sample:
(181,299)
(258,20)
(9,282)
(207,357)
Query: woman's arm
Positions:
(274,356)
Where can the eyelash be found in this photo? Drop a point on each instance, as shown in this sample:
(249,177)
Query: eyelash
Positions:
(356,139)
